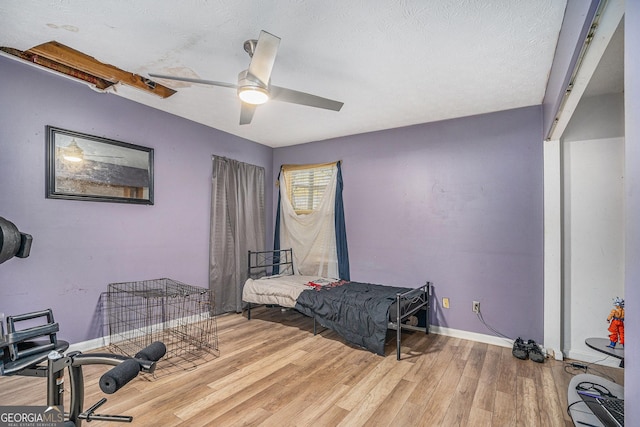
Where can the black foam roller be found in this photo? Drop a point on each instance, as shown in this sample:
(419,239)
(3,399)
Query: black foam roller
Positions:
(112,380)
(153,351)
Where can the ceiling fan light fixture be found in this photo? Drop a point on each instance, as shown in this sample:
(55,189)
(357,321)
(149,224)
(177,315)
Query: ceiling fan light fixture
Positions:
(253,95)
(254,83)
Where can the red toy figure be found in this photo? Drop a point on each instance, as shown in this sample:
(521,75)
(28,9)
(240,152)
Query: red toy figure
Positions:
(616,326)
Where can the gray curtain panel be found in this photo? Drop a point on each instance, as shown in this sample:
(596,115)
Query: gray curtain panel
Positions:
(237,226)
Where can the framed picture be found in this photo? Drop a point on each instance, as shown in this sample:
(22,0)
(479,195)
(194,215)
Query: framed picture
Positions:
(86,167)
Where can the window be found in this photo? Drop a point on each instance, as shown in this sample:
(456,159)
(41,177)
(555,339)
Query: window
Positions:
(306,185)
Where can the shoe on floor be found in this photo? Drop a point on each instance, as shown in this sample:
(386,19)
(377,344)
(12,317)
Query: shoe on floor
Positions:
(535,353)
(520,349)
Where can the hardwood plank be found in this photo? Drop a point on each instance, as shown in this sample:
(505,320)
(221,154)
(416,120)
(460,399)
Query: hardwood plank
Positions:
(241,417)
(507,373)
(479,418)
(465,348)
(527,410)
(408,415)
(413,410)
(460,404)
(272,371)
(222,411)
(332,417)
(504,410)
(443,393)
(231,385)
(366,406)
(475,360)
(322,388)
(308,408)
(360,390)
(429,380)
(552,413)
(427,358)
(485,396)
(389,408)
(490,366)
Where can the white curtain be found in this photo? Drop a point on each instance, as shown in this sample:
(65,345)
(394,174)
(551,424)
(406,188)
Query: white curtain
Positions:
(237,226)
(312,236)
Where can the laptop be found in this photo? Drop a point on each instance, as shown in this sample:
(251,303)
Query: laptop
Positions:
(609,410)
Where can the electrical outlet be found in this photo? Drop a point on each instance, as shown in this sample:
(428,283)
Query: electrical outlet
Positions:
(445,302)
(476,307)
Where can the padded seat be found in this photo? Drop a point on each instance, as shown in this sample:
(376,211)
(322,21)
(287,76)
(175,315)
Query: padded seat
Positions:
(35,357)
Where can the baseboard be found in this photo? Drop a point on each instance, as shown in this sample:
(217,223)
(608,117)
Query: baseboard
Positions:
(503,342)
(89,345)
(593,358)
(439,330)
(138,332)
(471,336)
(555,353)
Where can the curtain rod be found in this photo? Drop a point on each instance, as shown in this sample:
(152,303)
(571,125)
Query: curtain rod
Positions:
(308,166)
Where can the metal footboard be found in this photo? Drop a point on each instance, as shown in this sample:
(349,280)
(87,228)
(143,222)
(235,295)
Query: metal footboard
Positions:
(407,304)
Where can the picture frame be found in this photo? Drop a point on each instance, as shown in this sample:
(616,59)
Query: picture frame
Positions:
(86,167)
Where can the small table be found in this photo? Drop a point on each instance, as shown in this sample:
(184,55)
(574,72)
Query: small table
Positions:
(601,345)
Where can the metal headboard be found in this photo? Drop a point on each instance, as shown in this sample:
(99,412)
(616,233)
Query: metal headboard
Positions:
(268,263)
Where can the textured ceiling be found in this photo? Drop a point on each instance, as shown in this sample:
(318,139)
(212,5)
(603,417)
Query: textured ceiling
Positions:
(393,63)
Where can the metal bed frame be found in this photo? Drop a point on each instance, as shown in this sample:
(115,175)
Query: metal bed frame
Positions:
(409,303)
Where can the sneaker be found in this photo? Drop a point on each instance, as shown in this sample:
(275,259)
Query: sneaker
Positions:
(535,353)
(520,349)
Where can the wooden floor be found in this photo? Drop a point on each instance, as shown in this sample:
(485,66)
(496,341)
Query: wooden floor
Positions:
(272,371)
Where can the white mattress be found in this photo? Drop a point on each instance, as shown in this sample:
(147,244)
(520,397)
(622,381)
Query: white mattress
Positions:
(280,290)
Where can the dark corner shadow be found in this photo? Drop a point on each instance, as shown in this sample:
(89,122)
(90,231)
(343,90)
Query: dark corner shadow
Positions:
(436,311)
(98,326)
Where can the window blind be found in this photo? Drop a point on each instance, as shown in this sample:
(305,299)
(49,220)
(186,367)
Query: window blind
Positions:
(307,186)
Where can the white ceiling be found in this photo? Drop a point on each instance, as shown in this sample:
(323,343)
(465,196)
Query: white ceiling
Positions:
(392,63)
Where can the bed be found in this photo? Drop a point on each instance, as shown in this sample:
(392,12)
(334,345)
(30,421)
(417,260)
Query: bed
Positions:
(359,312)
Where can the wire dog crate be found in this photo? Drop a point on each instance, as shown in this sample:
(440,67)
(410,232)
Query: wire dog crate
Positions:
(166,310)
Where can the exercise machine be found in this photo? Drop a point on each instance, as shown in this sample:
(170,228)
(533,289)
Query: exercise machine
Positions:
(35,351)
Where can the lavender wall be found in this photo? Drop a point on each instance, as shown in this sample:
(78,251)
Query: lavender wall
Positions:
(81,247)
(457,202)
(632,207)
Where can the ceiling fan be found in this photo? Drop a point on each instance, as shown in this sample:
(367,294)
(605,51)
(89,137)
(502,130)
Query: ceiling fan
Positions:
(254,84)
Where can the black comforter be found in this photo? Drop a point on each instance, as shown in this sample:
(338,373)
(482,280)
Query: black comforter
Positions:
(359,312)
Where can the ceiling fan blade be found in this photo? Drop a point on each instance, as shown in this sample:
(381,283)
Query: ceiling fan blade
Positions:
(293,96)
(192,80)
(264,57)
(246,113)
